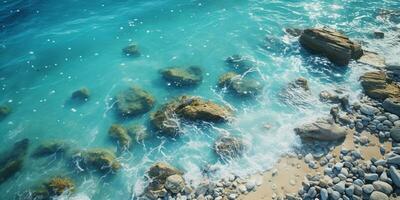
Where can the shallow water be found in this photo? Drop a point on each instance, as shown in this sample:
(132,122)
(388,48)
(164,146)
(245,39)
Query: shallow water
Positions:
(50,49)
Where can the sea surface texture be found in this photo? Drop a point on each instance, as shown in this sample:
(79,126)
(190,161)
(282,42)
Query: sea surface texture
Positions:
(49,49)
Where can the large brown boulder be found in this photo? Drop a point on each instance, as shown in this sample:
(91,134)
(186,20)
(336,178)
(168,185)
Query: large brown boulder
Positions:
(378,86)
(188,108)
(338,48)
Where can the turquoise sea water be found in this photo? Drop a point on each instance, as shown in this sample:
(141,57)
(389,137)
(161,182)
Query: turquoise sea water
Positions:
(48,49)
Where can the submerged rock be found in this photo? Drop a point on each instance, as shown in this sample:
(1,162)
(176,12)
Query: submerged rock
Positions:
(178,77)
(392,105)
(297,93)
(11,162)
(120,134)
(134,101)
(378,86)
(239,63)
(131,50)
(241,86)
(229,147)
(338,48)
(81,94)
(390,15)
(100,159)
(295,32)
(138,132)
(158,174)
(322,130)
(4,111)
(53,188)
(300,83)
(49,148)
(166,119)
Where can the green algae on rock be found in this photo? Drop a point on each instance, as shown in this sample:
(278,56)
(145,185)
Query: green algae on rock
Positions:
(120,134)
(102,160)
(5,110)
(131,50)
(240,86)
(49,148)
(12,162)
(81,94)
(181,77)
(51,189)
(134,101)
(187,108)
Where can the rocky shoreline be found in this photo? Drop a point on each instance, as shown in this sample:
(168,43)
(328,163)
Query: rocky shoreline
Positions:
(353,154)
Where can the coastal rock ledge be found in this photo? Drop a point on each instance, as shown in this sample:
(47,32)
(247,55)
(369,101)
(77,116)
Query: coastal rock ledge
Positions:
(189,108)
(338,48)
(322,130)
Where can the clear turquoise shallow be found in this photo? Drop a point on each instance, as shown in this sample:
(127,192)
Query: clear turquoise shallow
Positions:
(49,49)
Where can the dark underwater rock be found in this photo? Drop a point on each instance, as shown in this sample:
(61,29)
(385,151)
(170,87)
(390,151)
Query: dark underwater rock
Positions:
(390,15)
(296,93)
(11,162)
(120,134)
(131,50)
(4,111)
(229,147)
(181,77)
(158,175)
(239,63)
(378,86)
(81,94)
(101,160)
(134,101)
(338,48)
(244,87)
(300,83)
(49,148)
(138,132)
(188,108)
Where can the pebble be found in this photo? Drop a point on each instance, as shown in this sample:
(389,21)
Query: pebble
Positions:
(393,117)
(371,177)
(378,196)
(383,187)
(395,176)
(340,187)
(324,194)
(368,189)
(232,196)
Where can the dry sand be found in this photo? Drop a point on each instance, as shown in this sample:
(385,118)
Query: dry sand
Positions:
(292,171)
